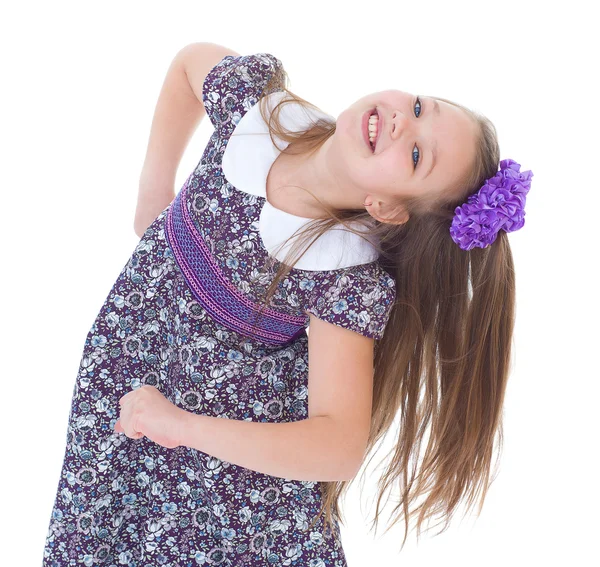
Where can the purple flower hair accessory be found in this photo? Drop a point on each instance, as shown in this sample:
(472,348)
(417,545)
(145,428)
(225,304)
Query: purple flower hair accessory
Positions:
(499,204)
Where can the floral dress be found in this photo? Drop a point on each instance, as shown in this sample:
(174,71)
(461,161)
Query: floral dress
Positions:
(180,317)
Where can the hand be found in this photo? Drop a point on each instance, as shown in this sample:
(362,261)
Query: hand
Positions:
(145,411)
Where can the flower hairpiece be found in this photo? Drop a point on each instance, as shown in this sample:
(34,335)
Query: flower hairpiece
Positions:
(498,205)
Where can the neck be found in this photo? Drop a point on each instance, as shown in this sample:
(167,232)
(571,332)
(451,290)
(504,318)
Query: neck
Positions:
(294,179)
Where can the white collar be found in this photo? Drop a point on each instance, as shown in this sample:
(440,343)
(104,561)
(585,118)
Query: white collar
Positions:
(246,163)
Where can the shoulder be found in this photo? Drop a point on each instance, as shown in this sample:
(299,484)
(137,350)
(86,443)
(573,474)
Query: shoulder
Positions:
(199,59)
(235,83)
(360,277)
(359,298)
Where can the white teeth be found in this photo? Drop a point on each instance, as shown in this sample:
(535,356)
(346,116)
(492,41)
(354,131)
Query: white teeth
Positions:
(373,124)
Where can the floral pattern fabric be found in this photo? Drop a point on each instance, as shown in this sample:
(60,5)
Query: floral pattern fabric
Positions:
(131,502)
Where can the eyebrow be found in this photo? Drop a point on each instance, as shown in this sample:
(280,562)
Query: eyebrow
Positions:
(436,110)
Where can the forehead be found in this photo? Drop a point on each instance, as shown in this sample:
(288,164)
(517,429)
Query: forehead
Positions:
(452,123)
(454,133)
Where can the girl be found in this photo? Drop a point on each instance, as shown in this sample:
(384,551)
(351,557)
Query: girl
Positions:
(207,426)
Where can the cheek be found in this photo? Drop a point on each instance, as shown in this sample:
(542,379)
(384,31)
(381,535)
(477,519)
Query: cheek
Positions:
(391,168)
(372,175)
(344,127)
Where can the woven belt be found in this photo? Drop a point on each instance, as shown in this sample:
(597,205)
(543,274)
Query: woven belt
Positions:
(212,289)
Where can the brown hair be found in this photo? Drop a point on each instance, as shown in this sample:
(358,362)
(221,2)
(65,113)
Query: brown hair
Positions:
(443,361)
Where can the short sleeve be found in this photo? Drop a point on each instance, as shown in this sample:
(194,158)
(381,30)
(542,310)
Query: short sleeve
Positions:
(359,298)
(235,84)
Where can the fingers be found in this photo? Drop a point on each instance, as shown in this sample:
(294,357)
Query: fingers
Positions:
(125,422)
(129,431)
(124,397)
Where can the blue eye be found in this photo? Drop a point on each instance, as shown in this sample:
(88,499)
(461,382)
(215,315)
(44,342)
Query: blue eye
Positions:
(418,104)
(416,153)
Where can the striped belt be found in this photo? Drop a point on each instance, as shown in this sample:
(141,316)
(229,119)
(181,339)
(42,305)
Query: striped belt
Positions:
(212,289)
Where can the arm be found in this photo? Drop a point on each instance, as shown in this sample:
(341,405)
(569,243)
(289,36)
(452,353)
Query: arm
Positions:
(310,449)
(178,112)
(330,444)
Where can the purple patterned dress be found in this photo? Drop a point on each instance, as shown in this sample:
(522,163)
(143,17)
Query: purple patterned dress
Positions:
(180,317)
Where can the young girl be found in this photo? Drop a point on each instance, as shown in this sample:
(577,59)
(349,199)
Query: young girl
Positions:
(207,426)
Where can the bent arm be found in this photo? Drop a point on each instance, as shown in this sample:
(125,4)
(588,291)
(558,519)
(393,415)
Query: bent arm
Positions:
(328,446)
(178,112)
(314,449)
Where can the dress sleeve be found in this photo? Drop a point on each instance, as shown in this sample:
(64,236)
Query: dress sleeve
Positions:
(355,298)
(235,84)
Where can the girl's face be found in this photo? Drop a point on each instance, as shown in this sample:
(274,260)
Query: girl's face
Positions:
(423,146)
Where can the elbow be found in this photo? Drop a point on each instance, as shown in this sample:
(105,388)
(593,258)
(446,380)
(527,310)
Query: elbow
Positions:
(338,468)
(138,233)
(138,230)
(350,450)
(353,465)
(349,463)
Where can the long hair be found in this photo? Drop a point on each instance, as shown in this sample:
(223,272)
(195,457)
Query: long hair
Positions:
(443,362)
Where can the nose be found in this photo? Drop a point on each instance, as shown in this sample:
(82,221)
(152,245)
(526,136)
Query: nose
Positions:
(399,124)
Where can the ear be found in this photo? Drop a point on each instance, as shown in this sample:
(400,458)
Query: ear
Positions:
(378,210)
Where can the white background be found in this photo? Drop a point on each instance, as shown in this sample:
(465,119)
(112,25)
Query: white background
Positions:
(80,82)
